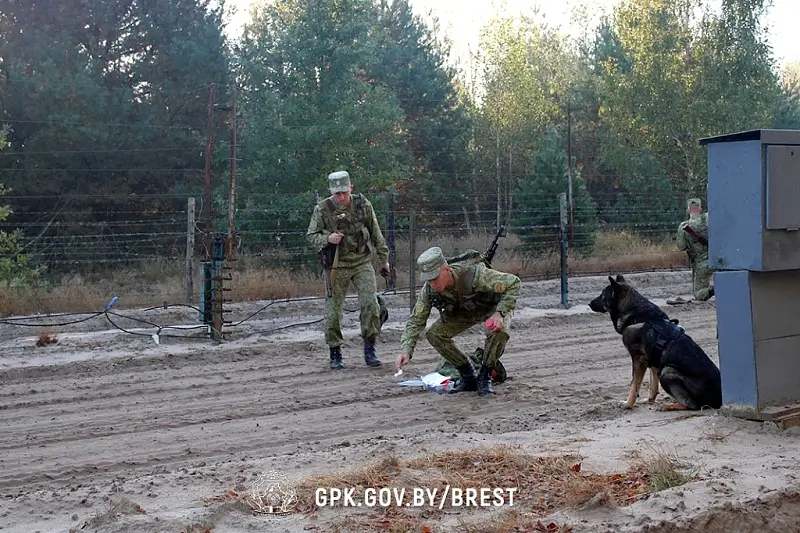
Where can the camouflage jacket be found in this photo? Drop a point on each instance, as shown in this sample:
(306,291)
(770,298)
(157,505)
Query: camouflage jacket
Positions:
(359,225)
(687,243)
(478,293)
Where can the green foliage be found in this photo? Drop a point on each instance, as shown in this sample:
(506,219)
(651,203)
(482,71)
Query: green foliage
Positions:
(537,211)
(672,72)
(355,85)
(644,200)
(526,70)
(107,98)
(307,69)
(787,113)
(15,271)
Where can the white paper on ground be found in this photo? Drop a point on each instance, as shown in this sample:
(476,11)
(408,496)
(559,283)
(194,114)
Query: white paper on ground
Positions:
(430,380)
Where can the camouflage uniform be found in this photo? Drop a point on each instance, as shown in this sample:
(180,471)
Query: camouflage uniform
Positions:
(697,252)
(478,293)
(362,236)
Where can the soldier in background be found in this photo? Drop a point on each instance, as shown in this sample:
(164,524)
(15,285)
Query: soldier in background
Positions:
(348,221)
(467,294)
(692,238)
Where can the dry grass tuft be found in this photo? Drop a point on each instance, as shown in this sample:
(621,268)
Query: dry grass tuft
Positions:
(543,485)
(664,470)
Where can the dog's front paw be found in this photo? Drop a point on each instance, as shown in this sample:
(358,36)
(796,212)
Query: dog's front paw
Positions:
(626,404)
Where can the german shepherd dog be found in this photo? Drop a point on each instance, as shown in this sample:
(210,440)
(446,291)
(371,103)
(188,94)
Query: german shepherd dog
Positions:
(660,344)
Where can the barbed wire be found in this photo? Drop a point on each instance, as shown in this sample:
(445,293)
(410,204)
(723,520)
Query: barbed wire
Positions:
(78,238)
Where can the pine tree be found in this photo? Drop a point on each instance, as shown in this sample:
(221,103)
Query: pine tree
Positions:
(537,218)
(646,199)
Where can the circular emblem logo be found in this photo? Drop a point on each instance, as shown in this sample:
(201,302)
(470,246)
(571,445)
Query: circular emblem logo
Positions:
(273,495)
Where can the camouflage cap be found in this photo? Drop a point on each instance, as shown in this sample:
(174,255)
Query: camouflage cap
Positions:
(693,202)
(430,263)
(339,181)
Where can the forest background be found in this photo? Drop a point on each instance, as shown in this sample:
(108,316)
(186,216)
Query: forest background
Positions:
(107,131)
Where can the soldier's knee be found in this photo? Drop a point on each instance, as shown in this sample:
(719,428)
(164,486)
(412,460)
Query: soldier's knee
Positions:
(499,337)
(431,335)
(434,336)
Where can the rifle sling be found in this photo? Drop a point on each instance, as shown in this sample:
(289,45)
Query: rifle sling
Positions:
(334,265)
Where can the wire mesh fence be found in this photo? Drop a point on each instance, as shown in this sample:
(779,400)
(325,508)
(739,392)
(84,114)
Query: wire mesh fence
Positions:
(101,234)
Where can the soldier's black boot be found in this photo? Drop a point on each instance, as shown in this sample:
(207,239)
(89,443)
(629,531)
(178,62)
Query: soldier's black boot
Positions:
(369,354)
(336,358)
(485,381)
(468,381)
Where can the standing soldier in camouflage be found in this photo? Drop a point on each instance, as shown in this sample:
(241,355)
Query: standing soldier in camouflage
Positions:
(467,293)
(692,238)
(348,221)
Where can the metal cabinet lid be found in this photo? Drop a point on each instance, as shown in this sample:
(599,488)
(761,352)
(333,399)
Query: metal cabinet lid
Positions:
(765,136)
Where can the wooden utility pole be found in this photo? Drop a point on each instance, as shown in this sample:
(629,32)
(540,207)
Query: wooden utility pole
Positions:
(190,250)
(569,171)
(207,207)
(562,208)
(231,241)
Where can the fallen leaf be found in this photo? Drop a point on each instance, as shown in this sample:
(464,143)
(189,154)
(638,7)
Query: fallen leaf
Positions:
(576,467)
(424,529)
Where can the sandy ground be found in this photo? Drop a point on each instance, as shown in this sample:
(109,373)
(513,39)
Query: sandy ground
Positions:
(104,421)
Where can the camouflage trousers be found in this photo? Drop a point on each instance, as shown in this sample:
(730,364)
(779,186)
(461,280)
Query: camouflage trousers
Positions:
(363,277)
(701,279)
(445,368)
(440,335)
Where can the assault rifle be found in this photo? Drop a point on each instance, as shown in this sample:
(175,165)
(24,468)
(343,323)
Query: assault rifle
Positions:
(493,247)
(326,256)
(699,238)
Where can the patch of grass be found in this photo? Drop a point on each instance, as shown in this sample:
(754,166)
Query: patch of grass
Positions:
(664,470)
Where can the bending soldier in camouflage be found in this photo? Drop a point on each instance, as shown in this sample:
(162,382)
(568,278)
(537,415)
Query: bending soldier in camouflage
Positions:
(348,222)
(692,238)
(468,294)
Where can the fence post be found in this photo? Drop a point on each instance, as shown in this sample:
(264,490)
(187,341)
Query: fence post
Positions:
(562,205)
(190,250)
(412,260)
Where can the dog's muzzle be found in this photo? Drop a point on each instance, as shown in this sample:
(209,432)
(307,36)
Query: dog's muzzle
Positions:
(598,306)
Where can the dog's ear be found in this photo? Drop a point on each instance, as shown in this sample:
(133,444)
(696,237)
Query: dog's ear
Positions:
(614,286)
(620,278)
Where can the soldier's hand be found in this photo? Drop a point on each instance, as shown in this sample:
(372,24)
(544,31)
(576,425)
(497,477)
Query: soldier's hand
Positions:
(335,238)
(495,322)
(402,360)
(385,270)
